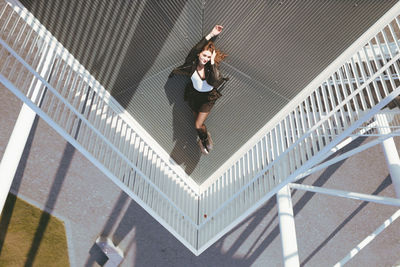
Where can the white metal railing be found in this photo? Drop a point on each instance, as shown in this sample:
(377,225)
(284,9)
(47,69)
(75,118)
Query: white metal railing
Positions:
(342,103)
(84,113)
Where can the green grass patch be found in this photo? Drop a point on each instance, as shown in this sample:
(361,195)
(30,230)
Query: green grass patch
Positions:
(30,236)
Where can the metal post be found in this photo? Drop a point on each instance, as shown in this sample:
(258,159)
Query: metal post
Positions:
(390,151)
(287,227)
(22,128)
(13,152)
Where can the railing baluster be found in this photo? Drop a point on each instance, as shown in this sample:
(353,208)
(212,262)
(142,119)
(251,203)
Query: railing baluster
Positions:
(309,123)
(19,30)
(139,164)
(147,172)
(293,133)
(394,35)
(14,25)
(349,88)
(101,121)
(357,76)
(390,73)
(7,19)
(257,156)
(58,110)
(22,50)
(331,99)
(274,145)
(320,132)
(93,107)
(156,174)
(65,116)
(364,78)
(340,96)
(299,132)
(372,70)
(385,60)
(263,163)
(115,130)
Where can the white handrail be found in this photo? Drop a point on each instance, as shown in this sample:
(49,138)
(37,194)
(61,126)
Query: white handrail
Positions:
(304,135)
(305,93)
(79,68)
(97,163)
(98,133)
(105,147)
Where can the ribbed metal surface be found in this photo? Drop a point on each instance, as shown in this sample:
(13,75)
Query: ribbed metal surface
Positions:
(275,49)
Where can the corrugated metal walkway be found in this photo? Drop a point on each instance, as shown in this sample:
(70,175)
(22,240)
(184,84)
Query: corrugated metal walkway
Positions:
(275,49)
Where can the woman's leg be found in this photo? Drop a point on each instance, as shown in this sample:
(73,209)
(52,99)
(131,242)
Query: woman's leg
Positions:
(202,130)
(199,122)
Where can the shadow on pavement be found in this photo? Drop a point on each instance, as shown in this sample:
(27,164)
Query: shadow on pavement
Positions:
(386,182)
(62,170)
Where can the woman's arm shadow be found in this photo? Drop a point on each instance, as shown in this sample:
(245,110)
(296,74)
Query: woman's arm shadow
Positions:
(186,151)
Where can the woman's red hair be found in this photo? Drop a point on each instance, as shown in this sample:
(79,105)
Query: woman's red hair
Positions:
(210,46)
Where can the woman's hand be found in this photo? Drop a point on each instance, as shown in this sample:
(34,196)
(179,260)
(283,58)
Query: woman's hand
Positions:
(216,30)
(213,57)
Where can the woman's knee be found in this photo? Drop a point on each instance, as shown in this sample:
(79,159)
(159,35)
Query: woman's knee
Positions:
(198,124)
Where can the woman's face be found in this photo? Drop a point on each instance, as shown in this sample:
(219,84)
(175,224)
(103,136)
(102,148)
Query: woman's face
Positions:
(204,57)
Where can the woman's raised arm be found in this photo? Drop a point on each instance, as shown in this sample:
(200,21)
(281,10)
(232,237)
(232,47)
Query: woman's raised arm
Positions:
(199,46)
(214,32)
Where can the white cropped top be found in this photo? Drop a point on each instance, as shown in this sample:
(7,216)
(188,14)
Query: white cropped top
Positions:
(199,84)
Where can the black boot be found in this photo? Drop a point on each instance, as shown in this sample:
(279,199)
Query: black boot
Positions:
(203,140)
(210,143)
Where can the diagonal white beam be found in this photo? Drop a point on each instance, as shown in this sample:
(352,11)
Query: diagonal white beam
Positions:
(348,154)
(368,239)
(347,194)
(351,138)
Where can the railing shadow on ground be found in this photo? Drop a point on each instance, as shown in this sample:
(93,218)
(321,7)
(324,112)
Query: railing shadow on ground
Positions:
(124,226)
(95,253)
(185,151)
(5,220)
(149,242)
(52,197)
(154,246)
(386,182)
(258,216)
(55,189)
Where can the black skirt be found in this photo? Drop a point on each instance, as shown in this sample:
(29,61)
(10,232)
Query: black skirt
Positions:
(200,101)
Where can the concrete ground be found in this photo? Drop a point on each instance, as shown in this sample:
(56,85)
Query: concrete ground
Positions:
(54,175)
